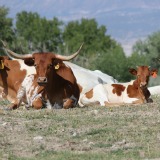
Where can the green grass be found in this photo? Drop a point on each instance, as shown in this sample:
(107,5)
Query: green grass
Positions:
(117,133)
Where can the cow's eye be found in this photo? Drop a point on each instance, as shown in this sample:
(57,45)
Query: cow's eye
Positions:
(35,65)
(50,66)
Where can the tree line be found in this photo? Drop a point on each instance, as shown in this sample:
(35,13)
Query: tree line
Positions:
(30,33)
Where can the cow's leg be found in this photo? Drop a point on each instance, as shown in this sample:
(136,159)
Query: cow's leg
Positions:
(17,102)
(96,96)
(147,95)
(13,105)
(70,102)
(91,101)
(37,103)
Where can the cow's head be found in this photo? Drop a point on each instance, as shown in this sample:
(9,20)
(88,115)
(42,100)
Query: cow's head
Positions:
(143,73)
(43,62)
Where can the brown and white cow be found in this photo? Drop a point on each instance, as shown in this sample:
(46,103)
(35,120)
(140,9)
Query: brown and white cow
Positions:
(133,92)
(53,81)
(12,73)
(87,79)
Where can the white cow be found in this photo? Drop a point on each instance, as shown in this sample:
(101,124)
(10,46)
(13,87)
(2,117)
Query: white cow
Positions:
(154,90)
(87,79)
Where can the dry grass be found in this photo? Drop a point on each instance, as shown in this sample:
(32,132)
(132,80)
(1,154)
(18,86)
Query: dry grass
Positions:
(127,133)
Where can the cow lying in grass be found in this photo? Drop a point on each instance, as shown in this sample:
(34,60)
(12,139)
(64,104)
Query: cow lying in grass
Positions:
(12,74)
(133,92)
(87,79)
(53,84)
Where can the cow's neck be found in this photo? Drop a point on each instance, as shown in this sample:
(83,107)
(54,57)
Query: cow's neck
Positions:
(53,89)
(54,82)
(136,85)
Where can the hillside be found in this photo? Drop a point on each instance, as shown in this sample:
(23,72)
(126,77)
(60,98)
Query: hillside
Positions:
(126,22)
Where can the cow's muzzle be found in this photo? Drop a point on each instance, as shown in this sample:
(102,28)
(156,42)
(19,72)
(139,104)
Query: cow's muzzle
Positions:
(143,84)
(42,81)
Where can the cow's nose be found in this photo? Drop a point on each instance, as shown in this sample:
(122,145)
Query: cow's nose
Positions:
(42,80)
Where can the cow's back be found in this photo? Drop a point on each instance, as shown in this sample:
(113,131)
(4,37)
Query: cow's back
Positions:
(87,79)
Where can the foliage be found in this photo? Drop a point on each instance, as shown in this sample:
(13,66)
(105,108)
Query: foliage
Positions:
(94,37)
(6,31)
(100,51)
(149,49)
(113,62)
(40,33)
(87,31)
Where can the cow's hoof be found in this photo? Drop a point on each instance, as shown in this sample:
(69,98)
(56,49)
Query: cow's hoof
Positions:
(7,108)
(149,100)
(11,106)
(27,107)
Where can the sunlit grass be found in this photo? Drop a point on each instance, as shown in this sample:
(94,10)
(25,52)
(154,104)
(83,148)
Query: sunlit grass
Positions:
(128,132)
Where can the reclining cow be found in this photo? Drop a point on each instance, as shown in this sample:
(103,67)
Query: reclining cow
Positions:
(133,92)
(87,79)
(12,73)
(53,84)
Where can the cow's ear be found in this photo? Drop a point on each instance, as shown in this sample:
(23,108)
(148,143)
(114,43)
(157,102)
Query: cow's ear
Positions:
(133,71)
(2,61)
(57,63)
(29,61)
(154,73)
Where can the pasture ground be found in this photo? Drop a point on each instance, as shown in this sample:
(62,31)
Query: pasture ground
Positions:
(90,133)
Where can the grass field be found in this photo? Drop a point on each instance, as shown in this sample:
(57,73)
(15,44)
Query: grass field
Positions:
(90,133)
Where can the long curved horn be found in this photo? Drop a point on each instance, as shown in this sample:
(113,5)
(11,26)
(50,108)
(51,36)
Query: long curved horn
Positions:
(4,45)
(67,58)
(13,54)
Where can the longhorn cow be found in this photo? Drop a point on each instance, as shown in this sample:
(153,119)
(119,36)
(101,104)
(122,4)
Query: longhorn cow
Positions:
(54,83)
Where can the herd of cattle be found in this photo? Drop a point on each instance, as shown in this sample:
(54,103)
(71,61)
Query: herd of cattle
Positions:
(49,80)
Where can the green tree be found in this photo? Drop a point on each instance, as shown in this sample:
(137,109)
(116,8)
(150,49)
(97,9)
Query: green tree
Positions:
(94,37)
(149,49)
(87,31)
(114,63)
(39,33)
(6,30)
(136,59)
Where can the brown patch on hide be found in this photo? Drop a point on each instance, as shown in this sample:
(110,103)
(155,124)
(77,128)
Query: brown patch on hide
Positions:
(118,89)
(89,94)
